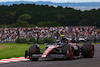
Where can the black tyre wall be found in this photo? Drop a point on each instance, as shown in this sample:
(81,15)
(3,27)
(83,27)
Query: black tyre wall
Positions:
(32,49)
(65,48)
(86,50)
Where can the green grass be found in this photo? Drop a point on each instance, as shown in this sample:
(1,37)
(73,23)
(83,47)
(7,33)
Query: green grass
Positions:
(8,50)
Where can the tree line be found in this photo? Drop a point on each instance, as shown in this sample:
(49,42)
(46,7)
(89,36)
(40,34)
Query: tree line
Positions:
(30,15)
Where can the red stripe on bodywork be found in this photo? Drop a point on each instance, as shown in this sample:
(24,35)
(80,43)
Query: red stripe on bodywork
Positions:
(49,49)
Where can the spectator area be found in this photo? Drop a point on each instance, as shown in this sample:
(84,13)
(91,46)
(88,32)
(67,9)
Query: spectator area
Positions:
(11,34)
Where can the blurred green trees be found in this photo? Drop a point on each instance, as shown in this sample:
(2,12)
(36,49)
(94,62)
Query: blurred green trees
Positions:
(43,15)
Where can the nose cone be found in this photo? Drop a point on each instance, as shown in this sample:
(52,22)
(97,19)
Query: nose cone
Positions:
(43,56)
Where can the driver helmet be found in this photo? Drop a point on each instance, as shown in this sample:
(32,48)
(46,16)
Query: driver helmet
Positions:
(64,40)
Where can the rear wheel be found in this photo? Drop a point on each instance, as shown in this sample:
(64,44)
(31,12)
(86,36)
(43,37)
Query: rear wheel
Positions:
(33,50)
(92,51)
(88,50)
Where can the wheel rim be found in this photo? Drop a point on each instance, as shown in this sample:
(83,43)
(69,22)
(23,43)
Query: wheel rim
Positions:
(71,53)
(92,51)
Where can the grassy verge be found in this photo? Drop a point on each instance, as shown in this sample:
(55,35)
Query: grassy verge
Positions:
(8,50)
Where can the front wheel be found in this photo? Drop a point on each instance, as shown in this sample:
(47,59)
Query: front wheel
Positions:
(33,50)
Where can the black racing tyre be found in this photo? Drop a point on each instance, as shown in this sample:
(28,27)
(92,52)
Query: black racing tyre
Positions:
(68,51)
(88,50)
(65,48)
(71,53)
(33,50)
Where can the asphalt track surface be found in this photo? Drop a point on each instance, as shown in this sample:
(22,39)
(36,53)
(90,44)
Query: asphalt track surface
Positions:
(84,62)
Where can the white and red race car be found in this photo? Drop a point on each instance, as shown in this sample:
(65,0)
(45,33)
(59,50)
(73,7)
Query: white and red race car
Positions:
(65,51)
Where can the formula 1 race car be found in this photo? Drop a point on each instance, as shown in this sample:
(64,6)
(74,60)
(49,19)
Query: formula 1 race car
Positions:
(61,51)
